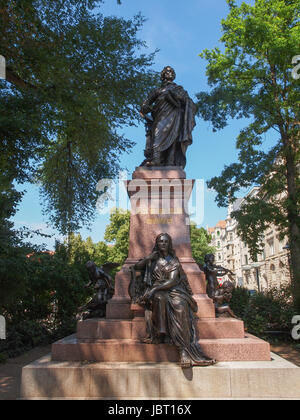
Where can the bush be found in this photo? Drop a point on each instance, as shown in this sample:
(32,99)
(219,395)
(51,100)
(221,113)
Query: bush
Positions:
(239,301)
(23,336)
(265,314)
(44,309)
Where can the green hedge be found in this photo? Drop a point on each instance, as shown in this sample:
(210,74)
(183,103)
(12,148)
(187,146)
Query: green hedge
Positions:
(44,307)
(265,314)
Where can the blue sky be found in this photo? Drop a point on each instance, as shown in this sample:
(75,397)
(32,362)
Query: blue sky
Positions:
(180,30)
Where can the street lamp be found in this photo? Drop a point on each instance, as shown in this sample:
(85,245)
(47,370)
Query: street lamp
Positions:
(256,265)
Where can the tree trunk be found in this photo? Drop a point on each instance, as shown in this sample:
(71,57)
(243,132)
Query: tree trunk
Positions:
(293,219)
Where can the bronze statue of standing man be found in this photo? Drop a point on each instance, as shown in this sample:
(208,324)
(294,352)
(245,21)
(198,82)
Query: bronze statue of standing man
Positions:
(170,120)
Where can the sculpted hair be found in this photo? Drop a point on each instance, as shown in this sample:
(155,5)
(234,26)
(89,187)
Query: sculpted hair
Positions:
(162,74)
(208,257)
(170,250)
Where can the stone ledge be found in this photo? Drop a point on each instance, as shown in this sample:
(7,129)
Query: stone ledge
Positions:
(128,350)
(206,328)
(45,379)
(158,172)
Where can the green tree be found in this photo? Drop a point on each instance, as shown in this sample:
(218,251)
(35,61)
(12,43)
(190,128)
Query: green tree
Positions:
(12,253)
(81,251)
(252,78)
(200,241)
(101,253)
(117,233)
(73,78)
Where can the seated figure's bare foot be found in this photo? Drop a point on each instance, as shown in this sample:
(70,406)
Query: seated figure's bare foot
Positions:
(147,340)
(185,360)
(205,361)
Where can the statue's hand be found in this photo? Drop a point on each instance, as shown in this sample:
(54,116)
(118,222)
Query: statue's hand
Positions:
(149,294)
(154,256)
(145,109)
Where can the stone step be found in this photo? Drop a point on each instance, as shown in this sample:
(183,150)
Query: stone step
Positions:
(119,307)
(46,379)
(127,350)
(206,328)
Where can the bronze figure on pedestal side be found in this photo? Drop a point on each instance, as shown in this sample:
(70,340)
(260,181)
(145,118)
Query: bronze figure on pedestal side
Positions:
(169,298)
(222,299)
(213,271)
(101,281)
(221,295)
(170,119)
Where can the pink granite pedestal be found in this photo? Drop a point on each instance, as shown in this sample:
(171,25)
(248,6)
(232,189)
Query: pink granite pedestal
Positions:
(159,200)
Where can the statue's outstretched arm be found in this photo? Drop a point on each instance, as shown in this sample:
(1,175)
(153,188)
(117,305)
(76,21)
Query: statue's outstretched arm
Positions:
(146,105)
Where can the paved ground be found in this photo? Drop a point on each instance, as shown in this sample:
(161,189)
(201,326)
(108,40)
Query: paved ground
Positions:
(10,372)
(288,352)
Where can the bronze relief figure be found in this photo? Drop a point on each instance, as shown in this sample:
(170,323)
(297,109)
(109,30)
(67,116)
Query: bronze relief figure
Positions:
(170,119)
(221,295)
(103,290)
(212,271)
(168,296)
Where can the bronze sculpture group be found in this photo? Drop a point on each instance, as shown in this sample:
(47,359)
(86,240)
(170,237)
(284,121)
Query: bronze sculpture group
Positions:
(161,287)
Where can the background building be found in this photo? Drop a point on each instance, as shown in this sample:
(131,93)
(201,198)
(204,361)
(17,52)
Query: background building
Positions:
(272,266)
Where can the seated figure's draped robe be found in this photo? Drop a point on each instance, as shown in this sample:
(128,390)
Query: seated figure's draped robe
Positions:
(173,309)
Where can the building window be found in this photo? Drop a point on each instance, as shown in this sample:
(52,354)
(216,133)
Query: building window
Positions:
(246,259)
(271,247)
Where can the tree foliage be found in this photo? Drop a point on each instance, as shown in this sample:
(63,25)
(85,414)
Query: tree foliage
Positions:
(200,241)
(252,78)
(73,78)
(117,234)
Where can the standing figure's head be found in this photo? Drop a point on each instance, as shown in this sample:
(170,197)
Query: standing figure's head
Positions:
(163,243)
(209,258)
(91,266)
(168,74)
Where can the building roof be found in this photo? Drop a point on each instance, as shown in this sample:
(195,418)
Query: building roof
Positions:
(221,224)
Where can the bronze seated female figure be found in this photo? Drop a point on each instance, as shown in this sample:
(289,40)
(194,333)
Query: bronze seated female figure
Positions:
(165,292)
